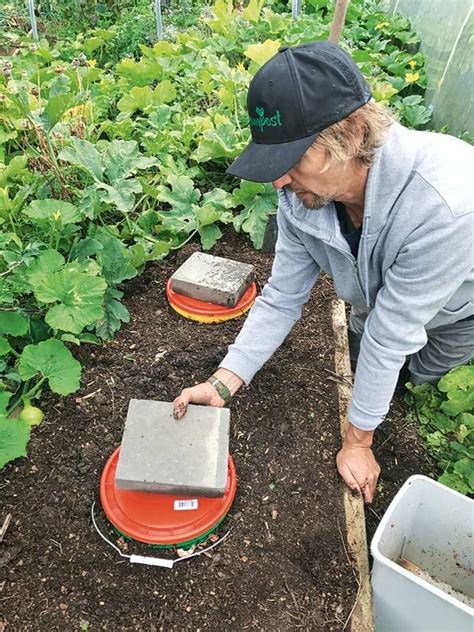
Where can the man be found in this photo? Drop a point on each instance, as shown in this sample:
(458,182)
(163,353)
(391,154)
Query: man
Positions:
(387,212)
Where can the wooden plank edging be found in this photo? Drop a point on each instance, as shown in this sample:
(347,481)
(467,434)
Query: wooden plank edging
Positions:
(362,613)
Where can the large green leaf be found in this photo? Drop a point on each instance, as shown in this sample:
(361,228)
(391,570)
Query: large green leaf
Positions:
(47,263)
(218,198)
(159,251)
(52,360)
(261,53)
(83,154)
(143,97)
(259,200)
(121,194)
(455,481)
(416,116)
(4,346)
(209,235)
(80,296)
(60,85)
(175,222)
(219,142)
(465,468)
(14,437)
(182,195)
(14,168)
(56,210)
(123,158)
(252,10)
(224,16)
(138,98)
(13,323)
(140,73)
(114,259)
(458,385)
(84,249)
(159,117)
(55,108)
(208,214)
(164,92)
(114,314)
(383,90)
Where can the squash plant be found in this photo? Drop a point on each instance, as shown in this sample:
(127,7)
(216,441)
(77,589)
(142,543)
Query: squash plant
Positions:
(445,414)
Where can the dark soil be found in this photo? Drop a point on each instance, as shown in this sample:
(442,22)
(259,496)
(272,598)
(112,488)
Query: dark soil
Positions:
(284,565)
(282,568)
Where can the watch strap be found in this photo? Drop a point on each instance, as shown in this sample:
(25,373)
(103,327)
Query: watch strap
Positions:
(221,388)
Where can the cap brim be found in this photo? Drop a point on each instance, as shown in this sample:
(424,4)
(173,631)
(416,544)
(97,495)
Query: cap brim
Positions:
(266,163)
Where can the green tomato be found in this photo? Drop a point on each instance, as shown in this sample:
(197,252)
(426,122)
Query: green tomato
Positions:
(32,415)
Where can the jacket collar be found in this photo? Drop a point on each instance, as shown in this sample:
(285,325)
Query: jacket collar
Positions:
(393,165)
(388,176)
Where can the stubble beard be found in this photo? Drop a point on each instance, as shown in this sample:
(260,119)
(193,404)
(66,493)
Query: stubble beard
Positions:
(314,201)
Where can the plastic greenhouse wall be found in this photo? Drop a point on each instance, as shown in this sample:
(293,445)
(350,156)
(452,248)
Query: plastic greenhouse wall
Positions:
(446,30)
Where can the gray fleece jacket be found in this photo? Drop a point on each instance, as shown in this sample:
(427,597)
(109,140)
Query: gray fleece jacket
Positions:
(414,271)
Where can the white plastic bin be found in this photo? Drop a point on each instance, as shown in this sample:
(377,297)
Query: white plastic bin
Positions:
(431,526)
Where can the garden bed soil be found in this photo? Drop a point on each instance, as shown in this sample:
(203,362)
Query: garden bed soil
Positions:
(284,565)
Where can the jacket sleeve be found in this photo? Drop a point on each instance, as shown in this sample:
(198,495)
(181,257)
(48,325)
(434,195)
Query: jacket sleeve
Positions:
(429,268)
(279,306)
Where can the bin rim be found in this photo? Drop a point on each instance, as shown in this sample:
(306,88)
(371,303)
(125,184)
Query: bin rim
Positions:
(382,559)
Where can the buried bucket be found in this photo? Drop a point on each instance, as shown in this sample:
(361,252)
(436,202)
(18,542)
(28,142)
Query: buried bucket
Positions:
(162,521)
(211,289)
(204,312)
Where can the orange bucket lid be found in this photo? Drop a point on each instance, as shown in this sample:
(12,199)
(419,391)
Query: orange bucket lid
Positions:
(162,519)
(205,312)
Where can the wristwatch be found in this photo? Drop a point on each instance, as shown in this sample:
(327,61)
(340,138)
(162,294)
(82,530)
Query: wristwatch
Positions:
(221,388)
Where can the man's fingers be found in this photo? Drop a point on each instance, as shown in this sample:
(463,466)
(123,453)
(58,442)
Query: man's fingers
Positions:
(367,492)
(359,465)
(180,405)
(370,488)
(349,479)
(199,394)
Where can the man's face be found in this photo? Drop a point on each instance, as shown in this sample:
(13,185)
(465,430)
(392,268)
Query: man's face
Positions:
(313,188)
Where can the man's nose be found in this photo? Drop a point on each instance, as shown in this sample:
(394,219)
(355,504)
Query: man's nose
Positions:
(281,182)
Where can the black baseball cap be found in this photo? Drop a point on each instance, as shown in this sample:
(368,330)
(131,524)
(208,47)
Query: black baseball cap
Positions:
(293,97)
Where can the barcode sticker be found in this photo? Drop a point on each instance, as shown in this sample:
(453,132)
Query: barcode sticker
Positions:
(185,505)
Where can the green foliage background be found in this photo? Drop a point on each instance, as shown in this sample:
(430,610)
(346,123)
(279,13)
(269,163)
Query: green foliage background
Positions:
(113,150)
(445,414)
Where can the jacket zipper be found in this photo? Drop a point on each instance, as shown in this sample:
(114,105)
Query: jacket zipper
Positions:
(348,255)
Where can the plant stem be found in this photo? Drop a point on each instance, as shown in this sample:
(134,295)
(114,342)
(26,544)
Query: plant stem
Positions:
(52,153)
(185,241)
(28,395)
(236,113)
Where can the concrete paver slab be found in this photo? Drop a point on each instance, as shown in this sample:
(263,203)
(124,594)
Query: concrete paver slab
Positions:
(184,457)
(213,279)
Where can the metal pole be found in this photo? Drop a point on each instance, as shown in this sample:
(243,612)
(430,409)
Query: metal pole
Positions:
(34,27)
(295,8)
(159,23)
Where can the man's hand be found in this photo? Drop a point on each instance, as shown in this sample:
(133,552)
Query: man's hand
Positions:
(205,393)
(356,463)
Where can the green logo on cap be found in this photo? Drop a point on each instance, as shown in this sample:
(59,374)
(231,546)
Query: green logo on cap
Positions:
(266,121)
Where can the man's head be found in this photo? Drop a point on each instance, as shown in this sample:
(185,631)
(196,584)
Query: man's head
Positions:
(334,165)
(294,101)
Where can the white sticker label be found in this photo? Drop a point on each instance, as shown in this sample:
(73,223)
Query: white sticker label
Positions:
(185,505)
